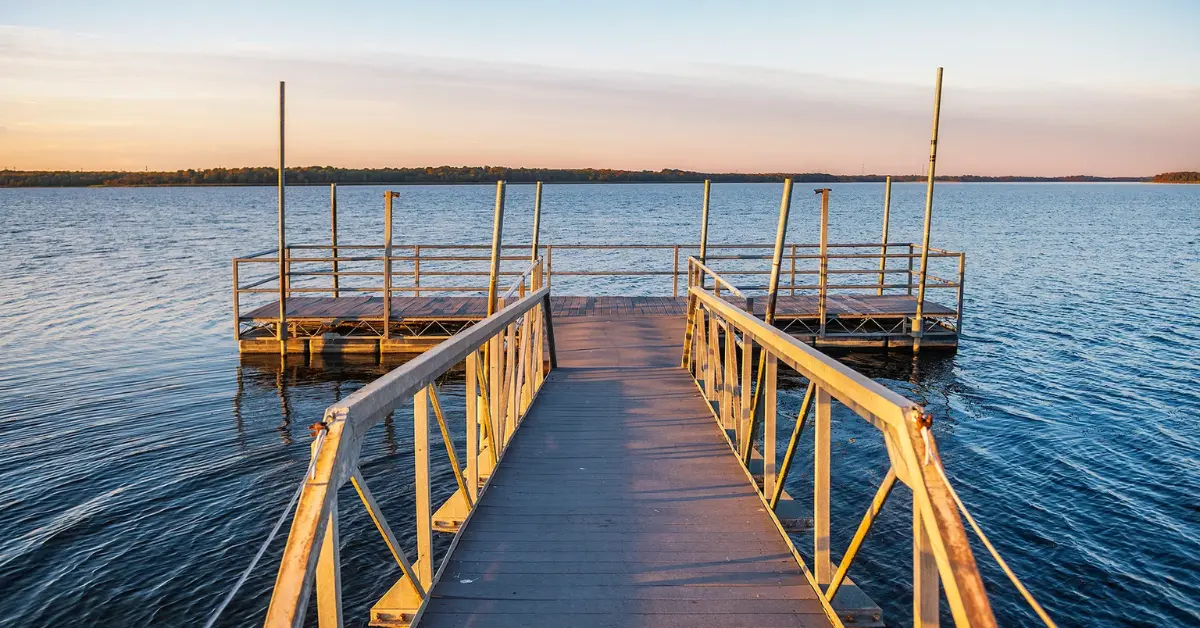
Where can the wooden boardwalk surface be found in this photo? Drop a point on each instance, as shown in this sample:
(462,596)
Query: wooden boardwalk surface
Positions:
(619,503)
(475,308)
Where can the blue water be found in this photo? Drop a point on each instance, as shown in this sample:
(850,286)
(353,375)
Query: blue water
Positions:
(144,461)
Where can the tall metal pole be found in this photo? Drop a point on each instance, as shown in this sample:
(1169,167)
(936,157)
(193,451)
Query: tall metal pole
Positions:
(283,265)
(887,208)
(333,234)
(785,206)
(537,219)
(918,319)
(704,222)
(497,230)
(823,283)
(387,262)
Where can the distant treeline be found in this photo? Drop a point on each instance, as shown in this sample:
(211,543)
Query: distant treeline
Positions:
(1177,177)
(317,175)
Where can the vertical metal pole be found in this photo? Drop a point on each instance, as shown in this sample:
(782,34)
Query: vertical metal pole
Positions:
(237,316)
(822,568)
(387,263)
(785,206)
(910,268)
(497,230)
(704,222)
(472,403)
(917,320)
(823,283)
(416,271)
(675,275)
(333,234)
(283,284)
(962,277)
(537,220)
(793,279)
(883,247)
(424,514)
(769,423)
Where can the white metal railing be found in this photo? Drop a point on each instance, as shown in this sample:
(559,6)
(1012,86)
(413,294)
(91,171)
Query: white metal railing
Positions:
(504,356)
(719,349)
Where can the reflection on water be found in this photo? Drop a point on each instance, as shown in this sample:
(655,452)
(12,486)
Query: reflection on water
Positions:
(144,461)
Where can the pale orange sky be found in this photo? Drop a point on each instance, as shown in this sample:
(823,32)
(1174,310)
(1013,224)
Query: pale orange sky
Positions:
(98,97)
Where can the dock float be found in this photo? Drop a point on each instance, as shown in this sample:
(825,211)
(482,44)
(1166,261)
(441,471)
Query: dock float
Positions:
(613,476)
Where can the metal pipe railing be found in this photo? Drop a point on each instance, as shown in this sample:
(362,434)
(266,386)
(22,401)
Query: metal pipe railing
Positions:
(426,266)
(940,541)
(499,394)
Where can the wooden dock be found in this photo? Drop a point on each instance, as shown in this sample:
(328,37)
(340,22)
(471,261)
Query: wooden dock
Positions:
(606,481)
(620,503)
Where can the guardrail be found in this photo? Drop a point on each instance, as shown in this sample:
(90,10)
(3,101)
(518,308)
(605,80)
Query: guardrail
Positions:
(416,269)
(718,349)
(504,372)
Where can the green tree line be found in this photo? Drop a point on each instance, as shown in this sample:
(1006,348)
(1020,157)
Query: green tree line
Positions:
(318,175)
(1177,177)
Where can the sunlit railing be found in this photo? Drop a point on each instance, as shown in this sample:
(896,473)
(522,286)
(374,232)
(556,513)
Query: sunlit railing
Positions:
(506,358)
(720,348)
(447,269)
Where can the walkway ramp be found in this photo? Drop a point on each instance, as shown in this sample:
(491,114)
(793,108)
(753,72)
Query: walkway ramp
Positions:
(619,503)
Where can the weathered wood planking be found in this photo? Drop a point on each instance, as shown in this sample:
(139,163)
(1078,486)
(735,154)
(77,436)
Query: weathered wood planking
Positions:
(474,308)
(619,503)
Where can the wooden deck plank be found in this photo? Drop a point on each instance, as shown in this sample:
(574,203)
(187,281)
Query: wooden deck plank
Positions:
(619,502)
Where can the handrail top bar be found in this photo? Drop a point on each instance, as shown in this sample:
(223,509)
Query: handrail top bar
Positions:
(732,288)
(601,245)
(857,391)
(521,279)
(372,401)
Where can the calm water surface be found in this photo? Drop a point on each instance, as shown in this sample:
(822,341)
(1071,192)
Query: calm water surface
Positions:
(144,461)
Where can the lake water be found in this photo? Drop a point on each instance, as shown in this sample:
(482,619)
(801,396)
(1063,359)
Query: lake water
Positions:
(144,461)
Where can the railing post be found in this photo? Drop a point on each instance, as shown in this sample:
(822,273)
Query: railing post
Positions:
(424,513)
(333,234)
(549,318)
(549,264)
(793,279)
(675,275)
(883,247)
(329,576)
(746,403)
(704,223)
(822,283)
(917,320)
(497,230)
(962,277)
(416,271)
(472,407)
(925,575)
(769,422)
(387,263)
(822,568)
(537,219)
(237,316)
(281,332)
(910,268)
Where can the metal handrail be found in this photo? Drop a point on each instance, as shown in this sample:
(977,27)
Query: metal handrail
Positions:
(506,351)
(941,545)
(443,262)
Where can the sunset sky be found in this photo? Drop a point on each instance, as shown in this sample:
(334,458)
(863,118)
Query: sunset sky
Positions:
(1032,88)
